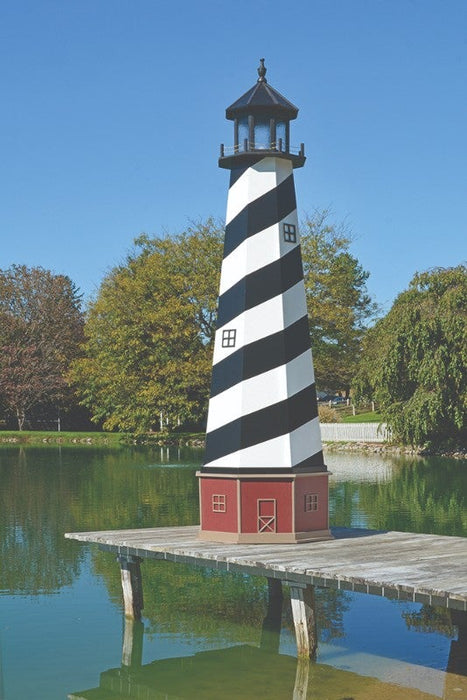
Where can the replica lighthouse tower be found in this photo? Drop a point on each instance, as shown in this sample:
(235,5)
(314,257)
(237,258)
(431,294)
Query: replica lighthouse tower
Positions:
(263,479)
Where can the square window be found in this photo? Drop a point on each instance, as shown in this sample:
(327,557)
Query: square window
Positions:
(218,503)
(311,502)
(290,233)
(228,338)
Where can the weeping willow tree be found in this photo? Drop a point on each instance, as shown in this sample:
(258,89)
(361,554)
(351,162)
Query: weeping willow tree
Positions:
(414,360)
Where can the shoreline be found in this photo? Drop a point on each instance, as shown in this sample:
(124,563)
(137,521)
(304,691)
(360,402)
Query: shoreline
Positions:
(197,441)
(390,449)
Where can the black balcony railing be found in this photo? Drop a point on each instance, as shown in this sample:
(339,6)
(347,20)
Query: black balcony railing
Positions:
(250,146)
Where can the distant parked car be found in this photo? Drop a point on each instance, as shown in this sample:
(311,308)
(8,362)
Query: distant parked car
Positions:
(336,400)
(322,396)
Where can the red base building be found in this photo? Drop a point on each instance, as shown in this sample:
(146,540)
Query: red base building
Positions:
(264,508)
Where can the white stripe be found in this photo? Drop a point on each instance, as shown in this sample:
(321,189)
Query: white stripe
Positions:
(261,391)
(300,374)
(256,252)
(259,179)
(283,452)
(306,441)
(263,320)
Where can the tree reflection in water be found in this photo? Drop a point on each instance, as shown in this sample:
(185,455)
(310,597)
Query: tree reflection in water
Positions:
(45,492)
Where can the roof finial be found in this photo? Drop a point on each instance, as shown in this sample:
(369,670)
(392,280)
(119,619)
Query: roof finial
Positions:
(262,72)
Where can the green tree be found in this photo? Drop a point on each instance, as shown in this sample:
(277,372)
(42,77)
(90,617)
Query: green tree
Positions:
(41,326)
(414,361)
(149,333)
(339,305)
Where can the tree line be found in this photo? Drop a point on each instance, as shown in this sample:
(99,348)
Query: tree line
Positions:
(138,358)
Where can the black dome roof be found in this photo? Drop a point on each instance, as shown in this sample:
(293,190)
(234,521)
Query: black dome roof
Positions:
(262,97)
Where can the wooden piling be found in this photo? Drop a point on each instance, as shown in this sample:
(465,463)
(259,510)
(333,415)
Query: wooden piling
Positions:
(302,598)
(132,587)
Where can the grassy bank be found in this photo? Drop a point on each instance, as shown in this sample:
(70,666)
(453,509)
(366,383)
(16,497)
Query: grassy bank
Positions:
(98,439)
(371,417)
(49,437)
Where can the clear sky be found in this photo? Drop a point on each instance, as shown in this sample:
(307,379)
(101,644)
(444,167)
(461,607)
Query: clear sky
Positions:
(113,112)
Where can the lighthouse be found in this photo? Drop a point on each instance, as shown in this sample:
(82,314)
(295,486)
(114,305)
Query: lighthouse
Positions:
(263,478)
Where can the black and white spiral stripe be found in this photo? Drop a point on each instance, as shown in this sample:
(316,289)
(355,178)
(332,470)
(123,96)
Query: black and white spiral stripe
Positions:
(263,410)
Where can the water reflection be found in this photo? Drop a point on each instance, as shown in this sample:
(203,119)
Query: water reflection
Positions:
(49,491)
(46,492)
(406,494)
(356,467)
(216,605)
(247,671)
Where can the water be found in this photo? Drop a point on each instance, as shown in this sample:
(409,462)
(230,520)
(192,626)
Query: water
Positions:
(61,622)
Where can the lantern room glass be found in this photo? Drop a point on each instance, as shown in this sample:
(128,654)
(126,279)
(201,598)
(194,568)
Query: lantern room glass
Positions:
(280,136)
(242,132)
(262,134)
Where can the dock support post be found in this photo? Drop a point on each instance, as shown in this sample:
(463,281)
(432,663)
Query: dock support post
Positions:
(270,635)
(302,598)
(132,586)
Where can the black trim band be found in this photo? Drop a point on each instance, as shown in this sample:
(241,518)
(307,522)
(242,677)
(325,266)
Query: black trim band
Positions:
(260,286)
(261,356)
(317,468)
(258,215)
(267,423)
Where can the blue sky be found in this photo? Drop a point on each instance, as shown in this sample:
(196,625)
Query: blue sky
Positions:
(113,112)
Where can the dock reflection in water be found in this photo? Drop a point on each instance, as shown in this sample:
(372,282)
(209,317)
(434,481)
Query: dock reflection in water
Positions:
(246,671)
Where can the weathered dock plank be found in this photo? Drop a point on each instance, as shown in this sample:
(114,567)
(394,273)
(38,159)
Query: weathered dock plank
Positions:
(424,568)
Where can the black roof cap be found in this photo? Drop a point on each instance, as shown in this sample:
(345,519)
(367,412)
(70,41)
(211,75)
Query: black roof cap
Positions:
(262,98)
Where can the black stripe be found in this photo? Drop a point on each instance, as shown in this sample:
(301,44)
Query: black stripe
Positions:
(260,286)
(260,214)
(235,174)
(262,355)
(315,463)
(267,423)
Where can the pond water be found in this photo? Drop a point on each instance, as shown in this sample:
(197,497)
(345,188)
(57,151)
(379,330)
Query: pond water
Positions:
(202,633)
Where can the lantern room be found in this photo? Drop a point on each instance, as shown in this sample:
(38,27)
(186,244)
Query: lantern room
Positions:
(261,120)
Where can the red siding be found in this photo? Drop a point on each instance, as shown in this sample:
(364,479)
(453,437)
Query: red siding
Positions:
(219,522)
(315,519)
(254,490)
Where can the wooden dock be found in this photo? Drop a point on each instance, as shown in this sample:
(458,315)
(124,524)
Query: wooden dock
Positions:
(428,569)
(421,568)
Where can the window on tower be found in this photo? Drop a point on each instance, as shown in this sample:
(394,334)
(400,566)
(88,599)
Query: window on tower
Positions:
(218,503)
(290,233)
(311,502)
(228,338)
